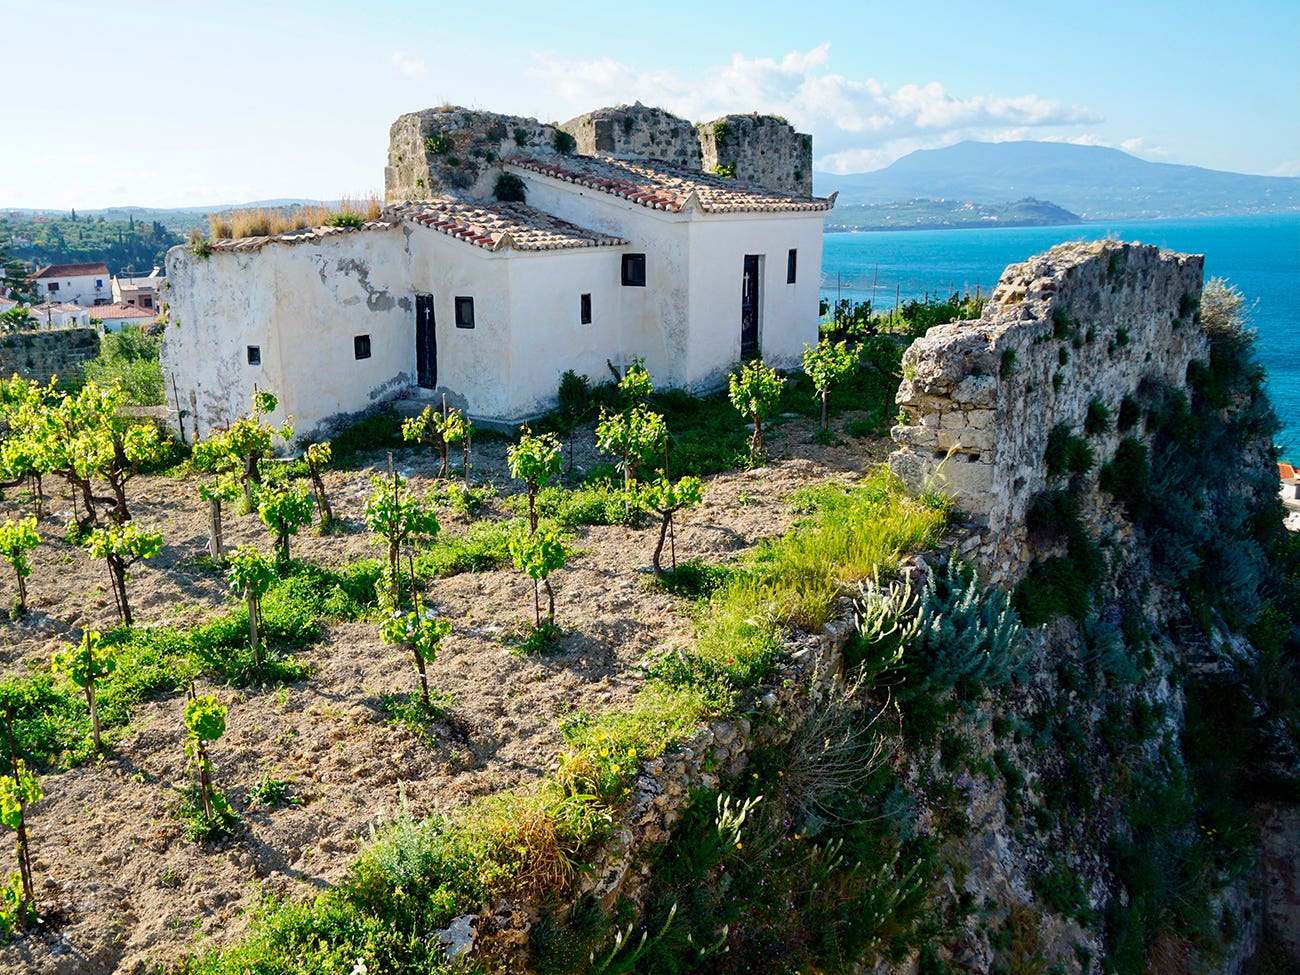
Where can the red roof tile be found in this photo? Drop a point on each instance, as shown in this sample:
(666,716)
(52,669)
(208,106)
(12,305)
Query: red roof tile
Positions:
(495,225)
(660,186)
(71,271)
(121,310)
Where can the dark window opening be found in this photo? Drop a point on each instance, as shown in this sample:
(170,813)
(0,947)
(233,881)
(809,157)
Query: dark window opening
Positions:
(791,265)
(464,312)
(52,286)
(586,309)
(254,355)
(634,270)
(146,302)
(99,282)
(361,346)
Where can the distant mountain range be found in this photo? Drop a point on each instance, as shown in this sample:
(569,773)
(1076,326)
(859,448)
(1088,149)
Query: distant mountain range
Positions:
(1094,182)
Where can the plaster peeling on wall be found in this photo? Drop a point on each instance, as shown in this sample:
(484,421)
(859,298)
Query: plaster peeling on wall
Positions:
(377,299)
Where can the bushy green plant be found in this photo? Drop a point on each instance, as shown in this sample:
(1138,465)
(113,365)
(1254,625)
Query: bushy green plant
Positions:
(251,576)
(397,517)
(205,722)
(86,665)
(754,391)
(284,511)
(317,457)
(509,188)
(826,364)
(667,498)
(885,623)
(1097,421)
(18,791)
(535,460)
(420,631)
(439,428)
(121,546)
(967,635)
(1066,453)
(17,538)
(538,554)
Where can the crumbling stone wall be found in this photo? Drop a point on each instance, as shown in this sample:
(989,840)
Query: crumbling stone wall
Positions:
(51,352)
(457,151)
(762,149)
(452,150)
(636,132)
(1081,324)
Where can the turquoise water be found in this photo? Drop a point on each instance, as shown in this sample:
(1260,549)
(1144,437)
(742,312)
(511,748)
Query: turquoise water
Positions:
(1259,254)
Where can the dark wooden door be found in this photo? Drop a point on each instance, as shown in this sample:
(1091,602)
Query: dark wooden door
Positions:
(749,298)
(426,343)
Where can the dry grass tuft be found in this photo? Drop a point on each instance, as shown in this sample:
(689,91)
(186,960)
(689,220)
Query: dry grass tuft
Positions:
(262,222)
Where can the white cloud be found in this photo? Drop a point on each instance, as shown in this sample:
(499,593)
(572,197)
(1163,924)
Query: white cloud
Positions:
(408,65)
(856,124)
(1291,168)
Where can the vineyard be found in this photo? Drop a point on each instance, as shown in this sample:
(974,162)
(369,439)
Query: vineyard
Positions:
(223,671)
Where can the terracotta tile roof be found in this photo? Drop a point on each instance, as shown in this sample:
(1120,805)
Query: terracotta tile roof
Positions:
(660,186)
(71,271)
(305,236)
(498,225)
(1286,472)
(121,310)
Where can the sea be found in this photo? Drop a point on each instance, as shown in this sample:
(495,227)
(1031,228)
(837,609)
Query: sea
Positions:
(1259,254)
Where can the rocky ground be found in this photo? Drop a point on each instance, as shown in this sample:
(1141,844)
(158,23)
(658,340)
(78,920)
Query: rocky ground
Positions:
(120,886)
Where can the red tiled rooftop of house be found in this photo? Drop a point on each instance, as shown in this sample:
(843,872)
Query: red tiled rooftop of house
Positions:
(1286,472)
(498,225)
(121,310)
(660,186)
(71,271)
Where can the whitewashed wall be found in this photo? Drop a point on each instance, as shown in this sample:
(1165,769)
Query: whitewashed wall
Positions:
(788,315)
(77,290)
(302,305)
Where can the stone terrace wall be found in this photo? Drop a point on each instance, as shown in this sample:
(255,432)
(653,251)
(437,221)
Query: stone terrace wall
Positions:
(52,352)
(1084,322)
(760,149)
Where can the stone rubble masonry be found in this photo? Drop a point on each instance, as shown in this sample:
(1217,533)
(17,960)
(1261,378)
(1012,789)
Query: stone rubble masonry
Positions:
(762,149)
(50,352)
(1082,322)
(468,147)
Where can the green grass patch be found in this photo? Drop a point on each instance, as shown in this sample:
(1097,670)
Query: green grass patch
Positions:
(852,534)
(483,547)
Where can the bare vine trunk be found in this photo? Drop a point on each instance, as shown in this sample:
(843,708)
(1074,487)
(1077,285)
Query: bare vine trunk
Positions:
(216,548)
(254,638)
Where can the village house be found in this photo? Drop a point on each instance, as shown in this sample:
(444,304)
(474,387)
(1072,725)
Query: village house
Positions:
(74,284)
(142,292)
(534,261)
(114,317)
(53,314)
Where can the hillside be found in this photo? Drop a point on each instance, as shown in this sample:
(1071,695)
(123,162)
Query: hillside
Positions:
(1095,182)
(947,215)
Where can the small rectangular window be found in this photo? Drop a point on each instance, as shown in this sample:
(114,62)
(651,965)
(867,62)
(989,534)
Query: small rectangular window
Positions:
(791,265)
(254,355)
(52,286)
(99,282)
(361,346)
(585,309)
(464,312)
(634,270)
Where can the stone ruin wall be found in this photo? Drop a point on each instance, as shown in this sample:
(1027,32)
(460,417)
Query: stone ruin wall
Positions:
(466,162)
(760,149)
(1082,322)
(469,145)
(43,354)
(637,132)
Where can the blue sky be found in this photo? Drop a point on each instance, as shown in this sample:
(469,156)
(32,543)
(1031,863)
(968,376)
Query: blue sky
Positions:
(186,103)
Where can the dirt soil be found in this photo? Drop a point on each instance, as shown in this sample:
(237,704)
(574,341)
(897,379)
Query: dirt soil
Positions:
(120,887)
